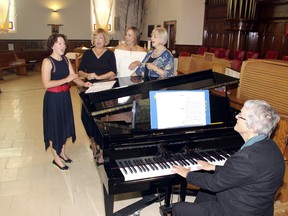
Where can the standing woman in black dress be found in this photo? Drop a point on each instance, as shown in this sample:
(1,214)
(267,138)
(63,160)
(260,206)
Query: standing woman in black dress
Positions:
(58,119)
(97,63)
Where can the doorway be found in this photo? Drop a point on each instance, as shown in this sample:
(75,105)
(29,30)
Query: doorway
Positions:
(170,26)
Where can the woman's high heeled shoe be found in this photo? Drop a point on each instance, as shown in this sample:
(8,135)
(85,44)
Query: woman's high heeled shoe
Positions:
(68,160)
(61,168)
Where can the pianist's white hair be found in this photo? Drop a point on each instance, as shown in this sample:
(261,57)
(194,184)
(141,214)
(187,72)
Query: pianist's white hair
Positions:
(261,116)
(163,34)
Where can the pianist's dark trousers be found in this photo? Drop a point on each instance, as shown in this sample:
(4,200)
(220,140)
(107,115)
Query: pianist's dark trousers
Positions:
(199,207)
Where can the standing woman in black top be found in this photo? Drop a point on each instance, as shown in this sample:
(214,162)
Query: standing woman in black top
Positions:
(97,63)
(58,119)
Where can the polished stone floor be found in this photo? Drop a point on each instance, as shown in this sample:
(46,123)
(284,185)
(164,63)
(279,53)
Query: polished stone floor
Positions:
(29,184)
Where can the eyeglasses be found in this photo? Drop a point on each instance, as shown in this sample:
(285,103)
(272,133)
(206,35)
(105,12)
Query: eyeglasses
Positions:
(238,116)
(241,117)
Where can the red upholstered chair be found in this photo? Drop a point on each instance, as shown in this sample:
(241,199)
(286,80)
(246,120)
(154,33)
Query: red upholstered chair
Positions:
(213,50)
(239,54)
(236,64)
(201,50)
(222,53)
(253,55)
(285,58)
(238,57)
(184,53)
(271,54)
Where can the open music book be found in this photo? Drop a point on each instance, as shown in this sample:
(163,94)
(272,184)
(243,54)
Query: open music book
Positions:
(182,108)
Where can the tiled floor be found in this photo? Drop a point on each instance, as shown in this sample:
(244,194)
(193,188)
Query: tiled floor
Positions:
(29,184)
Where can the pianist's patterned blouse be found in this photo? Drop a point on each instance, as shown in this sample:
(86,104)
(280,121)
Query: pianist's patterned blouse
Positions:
(165,61)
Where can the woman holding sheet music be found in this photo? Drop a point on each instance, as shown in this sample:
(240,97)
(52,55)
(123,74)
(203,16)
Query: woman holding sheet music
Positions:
(97,63)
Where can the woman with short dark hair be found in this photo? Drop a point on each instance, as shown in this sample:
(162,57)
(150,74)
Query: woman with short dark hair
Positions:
(58,119)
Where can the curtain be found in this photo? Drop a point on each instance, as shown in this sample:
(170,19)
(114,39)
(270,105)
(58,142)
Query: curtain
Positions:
(4,15)
(102,11)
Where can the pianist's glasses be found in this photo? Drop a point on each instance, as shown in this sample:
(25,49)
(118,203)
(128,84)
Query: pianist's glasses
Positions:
(239,116)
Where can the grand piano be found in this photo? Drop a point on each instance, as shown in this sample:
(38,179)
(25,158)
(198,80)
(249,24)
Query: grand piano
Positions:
(138,158)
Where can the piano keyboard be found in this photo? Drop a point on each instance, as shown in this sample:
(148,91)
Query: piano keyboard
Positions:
(156,166)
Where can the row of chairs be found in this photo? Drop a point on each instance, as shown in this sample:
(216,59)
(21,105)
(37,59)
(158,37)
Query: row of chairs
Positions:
(238,55)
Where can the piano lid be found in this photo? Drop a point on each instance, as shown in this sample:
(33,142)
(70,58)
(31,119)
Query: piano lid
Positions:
(128,89)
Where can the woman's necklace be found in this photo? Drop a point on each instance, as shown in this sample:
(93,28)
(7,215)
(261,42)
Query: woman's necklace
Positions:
(156,52)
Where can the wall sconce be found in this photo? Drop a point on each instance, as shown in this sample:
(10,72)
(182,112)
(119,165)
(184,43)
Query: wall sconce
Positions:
(54,10)
(108,28)
(11,25)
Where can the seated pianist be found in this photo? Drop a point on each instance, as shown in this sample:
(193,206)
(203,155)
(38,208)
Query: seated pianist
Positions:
(248,181)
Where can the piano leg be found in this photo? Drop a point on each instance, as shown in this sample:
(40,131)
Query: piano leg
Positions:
(109,202)
(167,200)
(183,189)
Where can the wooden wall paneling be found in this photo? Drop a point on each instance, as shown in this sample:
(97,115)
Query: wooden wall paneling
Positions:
(28,45)
(252,41)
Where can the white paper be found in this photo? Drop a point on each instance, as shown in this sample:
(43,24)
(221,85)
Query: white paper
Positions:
(187,109)
(100,86)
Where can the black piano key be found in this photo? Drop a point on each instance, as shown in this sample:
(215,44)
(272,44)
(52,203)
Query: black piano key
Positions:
(122,166)
(216,155)
(198,156)
(138,165)
(179,160)
(161,163)
(152,163)
(190,159)
(149,164)
(141,165)
(167,162)
(184,160)
(128,166)
(207,156)
(131,165)
(223,154)
(144,165)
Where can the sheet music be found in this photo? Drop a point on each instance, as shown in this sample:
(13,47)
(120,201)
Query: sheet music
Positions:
(181,108)
(100,86)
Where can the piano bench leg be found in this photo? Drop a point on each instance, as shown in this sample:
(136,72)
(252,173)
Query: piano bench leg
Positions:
(165,211)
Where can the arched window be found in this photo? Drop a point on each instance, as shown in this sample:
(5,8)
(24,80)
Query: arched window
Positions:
(7,17)
(102,14)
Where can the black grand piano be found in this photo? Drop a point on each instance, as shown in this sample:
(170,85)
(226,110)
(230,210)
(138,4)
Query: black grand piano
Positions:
(138,158)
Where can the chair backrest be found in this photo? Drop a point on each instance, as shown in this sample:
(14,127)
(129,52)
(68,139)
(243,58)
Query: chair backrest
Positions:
(285,58)
(271,54)
(75,59)
(184,53)
(201,50)
(213,49)
(239,54)
(222,53)
(253,55)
